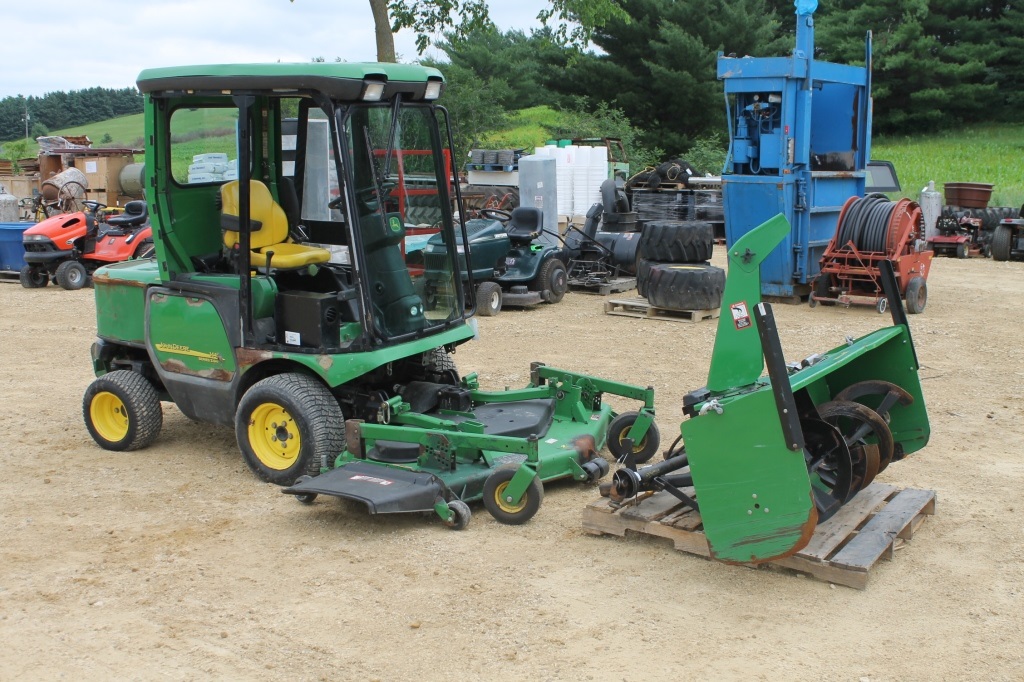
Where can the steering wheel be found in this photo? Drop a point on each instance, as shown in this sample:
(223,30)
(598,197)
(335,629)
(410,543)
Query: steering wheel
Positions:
(93,206)
(495,214)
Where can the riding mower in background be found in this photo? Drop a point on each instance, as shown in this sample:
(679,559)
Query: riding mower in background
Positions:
(297,310)
(511,265)
(764,459)
(67,248)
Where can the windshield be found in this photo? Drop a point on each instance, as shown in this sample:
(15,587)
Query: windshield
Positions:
(401,169)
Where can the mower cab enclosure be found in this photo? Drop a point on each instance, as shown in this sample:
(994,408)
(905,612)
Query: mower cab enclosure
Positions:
(291,204)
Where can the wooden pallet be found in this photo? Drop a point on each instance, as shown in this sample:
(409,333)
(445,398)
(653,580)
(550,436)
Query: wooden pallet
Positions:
(612,286)
(639,307)
(843,549)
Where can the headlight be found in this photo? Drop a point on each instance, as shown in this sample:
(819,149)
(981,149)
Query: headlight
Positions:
(37,238)
(373,91)
(433,90)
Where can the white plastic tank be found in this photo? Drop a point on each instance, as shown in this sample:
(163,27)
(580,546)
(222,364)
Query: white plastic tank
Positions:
(930,200)
(8,207)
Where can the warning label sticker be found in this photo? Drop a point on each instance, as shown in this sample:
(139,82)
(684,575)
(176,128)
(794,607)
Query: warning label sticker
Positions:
(370,479)
(740,315)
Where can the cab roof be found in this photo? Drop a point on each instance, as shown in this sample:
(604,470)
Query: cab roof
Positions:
(343,80)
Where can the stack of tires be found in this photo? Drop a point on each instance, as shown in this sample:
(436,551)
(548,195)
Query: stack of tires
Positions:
(672,268)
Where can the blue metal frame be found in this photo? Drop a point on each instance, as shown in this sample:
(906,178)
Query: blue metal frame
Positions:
(799,143)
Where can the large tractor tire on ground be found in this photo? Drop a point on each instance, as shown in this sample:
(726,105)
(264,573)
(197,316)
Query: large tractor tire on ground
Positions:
(666,241)
(643,275)
(287,426)
(122,411)
(1001,243)
(686,286)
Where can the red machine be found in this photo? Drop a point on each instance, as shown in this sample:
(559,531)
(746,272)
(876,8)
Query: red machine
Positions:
(872,229)
(67,248)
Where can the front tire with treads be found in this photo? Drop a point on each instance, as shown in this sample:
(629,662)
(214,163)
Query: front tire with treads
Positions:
(122,411)
(287,426)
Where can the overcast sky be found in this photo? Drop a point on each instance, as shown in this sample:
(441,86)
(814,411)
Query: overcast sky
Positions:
(63,45)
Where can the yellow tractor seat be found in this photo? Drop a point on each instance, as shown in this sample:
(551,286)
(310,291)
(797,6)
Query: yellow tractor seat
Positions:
(269,229)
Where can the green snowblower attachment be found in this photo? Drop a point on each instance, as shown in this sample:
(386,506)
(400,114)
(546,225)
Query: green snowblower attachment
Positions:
(771,456)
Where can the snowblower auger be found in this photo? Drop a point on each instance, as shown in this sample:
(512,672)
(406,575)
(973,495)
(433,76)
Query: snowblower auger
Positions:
(769,457)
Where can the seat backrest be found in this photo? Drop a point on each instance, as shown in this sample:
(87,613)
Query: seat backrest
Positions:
(525,223)
(273,228)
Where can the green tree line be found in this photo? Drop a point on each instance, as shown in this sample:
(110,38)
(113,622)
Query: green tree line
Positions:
(937,64)
(59,110)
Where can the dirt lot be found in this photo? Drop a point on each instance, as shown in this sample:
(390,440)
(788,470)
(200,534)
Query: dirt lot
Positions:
(176,563)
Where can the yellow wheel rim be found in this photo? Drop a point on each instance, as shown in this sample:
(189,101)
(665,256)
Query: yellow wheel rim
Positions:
(505,506)
(637,447)
(109,417)
(274,436)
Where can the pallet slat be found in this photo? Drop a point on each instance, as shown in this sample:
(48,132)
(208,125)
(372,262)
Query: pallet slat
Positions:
(876,538)
(860,534)
(640,307)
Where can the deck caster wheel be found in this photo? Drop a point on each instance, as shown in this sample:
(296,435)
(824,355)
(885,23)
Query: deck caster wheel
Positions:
(881,305)
(618,430)
(306,498)
(461,515)
(501,506)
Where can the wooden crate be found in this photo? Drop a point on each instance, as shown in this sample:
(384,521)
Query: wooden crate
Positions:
(640,307)
(843,549)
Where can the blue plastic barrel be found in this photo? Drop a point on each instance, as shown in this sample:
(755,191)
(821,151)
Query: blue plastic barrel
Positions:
(12,251)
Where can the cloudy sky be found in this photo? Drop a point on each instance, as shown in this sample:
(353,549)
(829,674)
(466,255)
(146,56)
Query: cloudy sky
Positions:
(63,45)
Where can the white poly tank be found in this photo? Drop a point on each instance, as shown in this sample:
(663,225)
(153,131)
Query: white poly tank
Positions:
(8,208)
(930,200)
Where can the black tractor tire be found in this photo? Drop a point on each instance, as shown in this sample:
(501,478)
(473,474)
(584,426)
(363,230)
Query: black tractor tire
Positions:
(619,428)
(145,250)
(289,407)
(33,277)
(71,275)
(488,299)
(502,510)
(552,281)
(1002,239)
(666,241)
(821,288)
(917,295)
(962,250)
(122,411)
(686,286)
(643,275)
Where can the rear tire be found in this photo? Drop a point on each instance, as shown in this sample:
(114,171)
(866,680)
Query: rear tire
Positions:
(33,277)
(552,281)
(690,241)
(962,250)
(287,425)
(488,299)
(917,295)
(821,288)
(145,250)
(72,275)
(685,286)
(122,411)
(1001,242)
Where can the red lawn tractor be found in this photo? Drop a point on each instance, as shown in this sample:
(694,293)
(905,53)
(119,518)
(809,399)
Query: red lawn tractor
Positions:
(67,248)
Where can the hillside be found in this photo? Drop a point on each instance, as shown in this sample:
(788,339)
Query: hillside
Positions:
(978,154)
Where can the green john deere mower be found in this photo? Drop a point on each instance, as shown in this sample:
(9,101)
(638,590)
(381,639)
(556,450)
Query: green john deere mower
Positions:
(289,298)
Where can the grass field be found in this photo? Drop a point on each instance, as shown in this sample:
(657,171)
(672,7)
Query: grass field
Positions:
(990,154)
